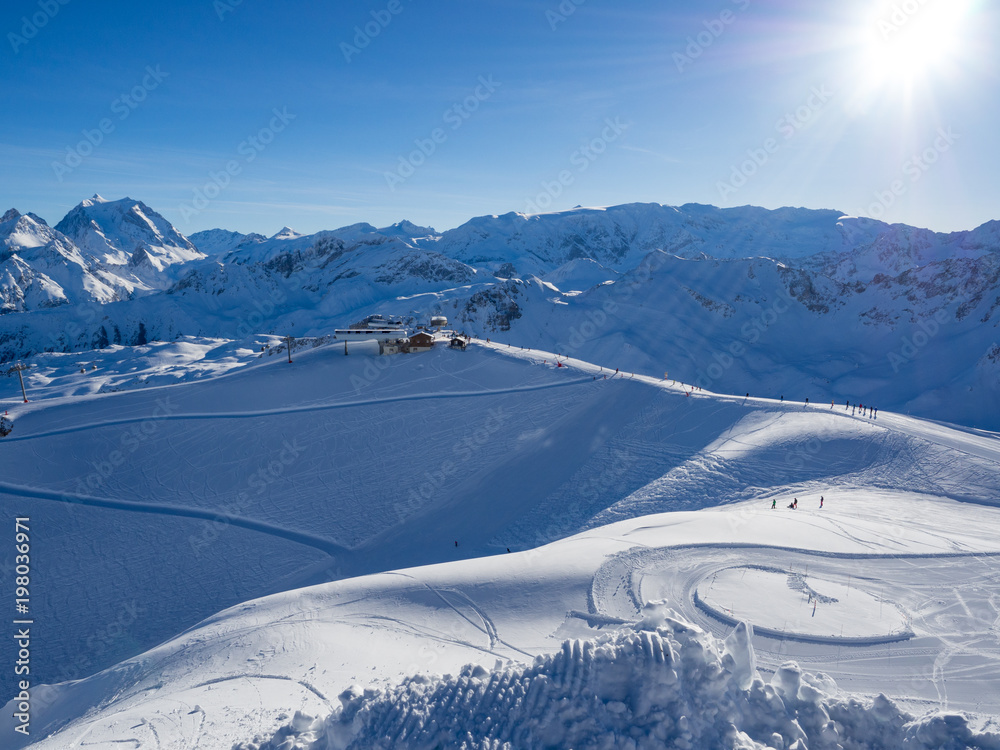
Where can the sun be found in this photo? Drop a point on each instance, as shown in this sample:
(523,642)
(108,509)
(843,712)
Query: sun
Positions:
(905,41)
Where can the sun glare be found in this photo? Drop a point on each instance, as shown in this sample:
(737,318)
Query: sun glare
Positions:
(907,40)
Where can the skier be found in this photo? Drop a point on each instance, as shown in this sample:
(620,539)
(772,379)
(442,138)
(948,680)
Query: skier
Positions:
(456,543)
(774,504)
(876,414)
(821,501)
(795,502)
(807,401)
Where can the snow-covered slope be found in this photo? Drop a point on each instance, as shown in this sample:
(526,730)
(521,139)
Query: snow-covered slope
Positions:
(926,343)
(277,475)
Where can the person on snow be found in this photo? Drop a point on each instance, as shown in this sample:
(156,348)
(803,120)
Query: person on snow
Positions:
(774,504)
(821,501)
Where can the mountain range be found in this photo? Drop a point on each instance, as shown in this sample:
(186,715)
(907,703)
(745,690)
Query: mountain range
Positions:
(793,303)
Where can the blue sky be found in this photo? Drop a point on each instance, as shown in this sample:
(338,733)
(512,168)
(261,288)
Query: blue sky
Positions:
(250,115)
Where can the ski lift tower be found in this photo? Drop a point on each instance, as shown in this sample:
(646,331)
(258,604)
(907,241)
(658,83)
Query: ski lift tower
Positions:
(19,368)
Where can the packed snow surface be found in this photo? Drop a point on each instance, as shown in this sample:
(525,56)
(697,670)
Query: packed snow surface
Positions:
(797,604)
(610,490)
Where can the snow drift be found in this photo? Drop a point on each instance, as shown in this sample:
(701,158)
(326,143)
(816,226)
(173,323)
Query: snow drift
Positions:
(663,682)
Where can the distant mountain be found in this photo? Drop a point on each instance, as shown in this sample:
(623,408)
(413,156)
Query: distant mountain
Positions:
(620,236)
(42,268)
(130,240)
(792,302)
(221,241)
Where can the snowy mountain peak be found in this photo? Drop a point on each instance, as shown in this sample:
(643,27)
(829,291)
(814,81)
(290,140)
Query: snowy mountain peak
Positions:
(407,230)
(110,230)
(95,199)
(286,233)
(18,231)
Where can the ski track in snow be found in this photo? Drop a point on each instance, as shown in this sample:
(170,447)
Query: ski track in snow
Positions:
(230,678)
(300,409)
(674,573)
(324,545)
(319,543)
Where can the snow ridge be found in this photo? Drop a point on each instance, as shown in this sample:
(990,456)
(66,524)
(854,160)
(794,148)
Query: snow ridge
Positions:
(663,682)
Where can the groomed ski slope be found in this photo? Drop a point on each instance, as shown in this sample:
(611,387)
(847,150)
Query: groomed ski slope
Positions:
(242,674)
(567,449)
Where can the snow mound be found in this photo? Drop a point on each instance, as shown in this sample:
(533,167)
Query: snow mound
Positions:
(664,682)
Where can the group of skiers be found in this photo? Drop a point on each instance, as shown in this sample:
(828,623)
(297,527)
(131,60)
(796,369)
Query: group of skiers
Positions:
(794,505)
(866,411)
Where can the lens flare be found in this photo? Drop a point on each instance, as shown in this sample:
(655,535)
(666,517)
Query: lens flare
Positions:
(908,40)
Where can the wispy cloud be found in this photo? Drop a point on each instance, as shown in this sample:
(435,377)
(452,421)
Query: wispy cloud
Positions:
(658,155)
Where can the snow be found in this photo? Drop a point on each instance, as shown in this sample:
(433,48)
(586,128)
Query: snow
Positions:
(576,531)
(637,492)
(796,605)
(664,683)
